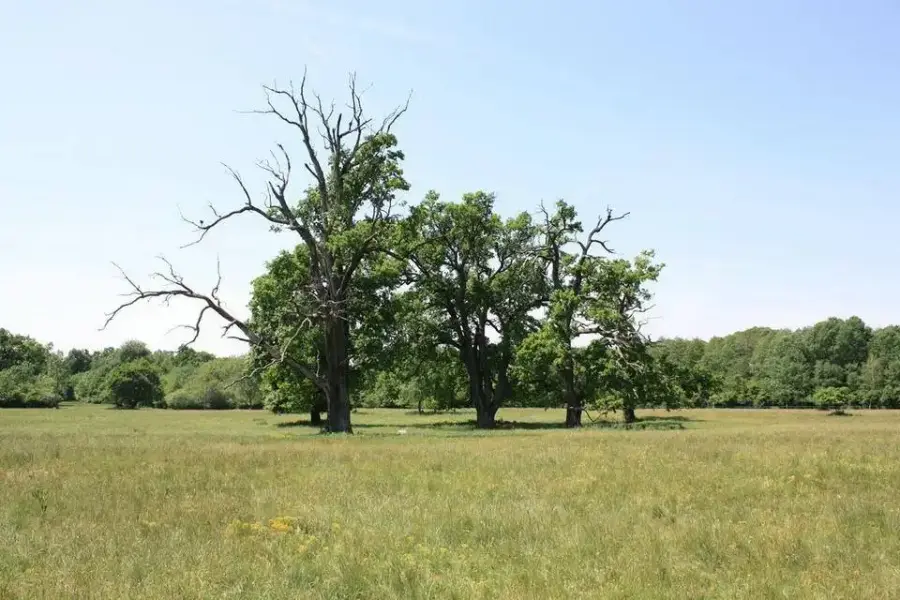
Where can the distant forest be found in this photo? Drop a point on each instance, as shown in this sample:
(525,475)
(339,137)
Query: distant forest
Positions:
(836,362)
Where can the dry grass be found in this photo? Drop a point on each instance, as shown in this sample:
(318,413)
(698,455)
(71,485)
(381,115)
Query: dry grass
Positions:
(96,503)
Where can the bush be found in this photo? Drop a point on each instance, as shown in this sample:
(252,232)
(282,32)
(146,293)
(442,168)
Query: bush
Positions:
(135,384)
(183,400)
(216,385)
(19,388)
(210,399)
(834,399)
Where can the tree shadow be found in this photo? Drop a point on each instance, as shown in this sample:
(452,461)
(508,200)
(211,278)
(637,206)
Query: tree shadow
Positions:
(501,425)
(301,423)
(673,418)
(647,422)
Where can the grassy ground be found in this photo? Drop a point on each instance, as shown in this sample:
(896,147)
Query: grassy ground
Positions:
(97,503)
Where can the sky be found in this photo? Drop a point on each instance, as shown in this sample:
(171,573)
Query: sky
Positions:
(755,143)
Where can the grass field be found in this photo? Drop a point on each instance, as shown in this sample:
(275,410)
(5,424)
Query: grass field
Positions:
(98,503)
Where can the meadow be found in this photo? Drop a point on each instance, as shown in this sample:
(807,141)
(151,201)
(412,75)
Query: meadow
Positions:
(103,503)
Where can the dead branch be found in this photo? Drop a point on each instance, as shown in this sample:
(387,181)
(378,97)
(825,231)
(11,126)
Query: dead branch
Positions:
(174,286)
(592,239)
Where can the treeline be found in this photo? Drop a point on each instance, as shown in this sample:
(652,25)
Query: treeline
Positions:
(835,362)
(36,375)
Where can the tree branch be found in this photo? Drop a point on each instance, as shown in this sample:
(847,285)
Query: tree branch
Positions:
(175,287)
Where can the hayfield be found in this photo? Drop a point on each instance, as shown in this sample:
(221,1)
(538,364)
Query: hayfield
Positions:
(99,503)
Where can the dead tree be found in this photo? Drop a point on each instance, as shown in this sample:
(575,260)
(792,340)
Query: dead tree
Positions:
(340,217)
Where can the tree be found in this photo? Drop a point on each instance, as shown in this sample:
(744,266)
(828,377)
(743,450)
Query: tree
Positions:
(340,217)
(590,296)
(633,377)
(474,277)
(737,360)
(78,361)
(22,350)
(785,372)
(133,350)
(681,360)
(133,384)
(833,399)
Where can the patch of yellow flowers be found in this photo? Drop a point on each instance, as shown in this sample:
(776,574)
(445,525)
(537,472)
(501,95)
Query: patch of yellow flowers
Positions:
(276,525)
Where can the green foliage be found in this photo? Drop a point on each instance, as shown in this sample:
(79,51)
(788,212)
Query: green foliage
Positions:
(217,384)
(20,387)
(134,384)
(767,368)
(434,381)
(17,350)
(590,296)
(133,350)
(474,281)
(834,399)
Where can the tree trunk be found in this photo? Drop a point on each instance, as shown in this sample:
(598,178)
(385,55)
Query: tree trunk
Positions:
(485,411)
(628,414)
(573,399)
(338,392)
(485,417)
(315,417)
(573,412)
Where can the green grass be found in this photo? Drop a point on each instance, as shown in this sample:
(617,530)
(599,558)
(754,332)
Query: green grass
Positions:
(98,503)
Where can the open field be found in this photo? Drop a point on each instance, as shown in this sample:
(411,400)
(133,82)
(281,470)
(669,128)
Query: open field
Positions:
(98,503)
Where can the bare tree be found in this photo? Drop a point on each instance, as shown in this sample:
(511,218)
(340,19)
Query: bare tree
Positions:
(339,216)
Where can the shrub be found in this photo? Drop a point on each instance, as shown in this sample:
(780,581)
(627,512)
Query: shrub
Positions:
(135,384)
(215,384)
(20,388)
(831,398)
(183,400)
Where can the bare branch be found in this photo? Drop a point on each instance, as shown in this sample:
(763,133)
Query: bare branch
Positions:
(175,287)
(204,228)
(602,222)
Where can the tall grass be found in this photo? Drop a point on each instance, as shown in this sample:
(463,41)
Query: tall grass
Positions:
(97,503)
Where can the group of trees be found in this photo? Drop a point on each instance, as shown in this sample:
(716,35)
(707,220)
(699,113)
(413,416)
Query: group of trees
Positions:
(447,285)
(130,376)
(440,304)
(833,363)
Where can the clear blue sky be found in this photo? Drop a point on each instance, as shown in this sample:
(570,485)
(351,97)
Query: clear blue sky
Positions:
(756,143)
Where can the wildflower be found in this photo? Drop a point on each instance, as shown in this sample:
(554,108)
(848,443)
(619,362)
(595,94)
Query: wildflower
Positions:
(282,524)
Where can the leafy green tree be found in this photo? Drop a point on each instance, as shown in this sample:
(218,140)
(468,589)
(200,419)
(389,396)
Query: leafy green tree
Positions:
(133,384)
(634,377)
(736,360)
(785,372)
(278,305)
(30,375)
(78,361)
(21,387)
(834,399)
(341,217)
(16,350)
(590,296)
(133,350)
(430,380)
(187,356)
(879,381)
(473,278)
(680,360)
